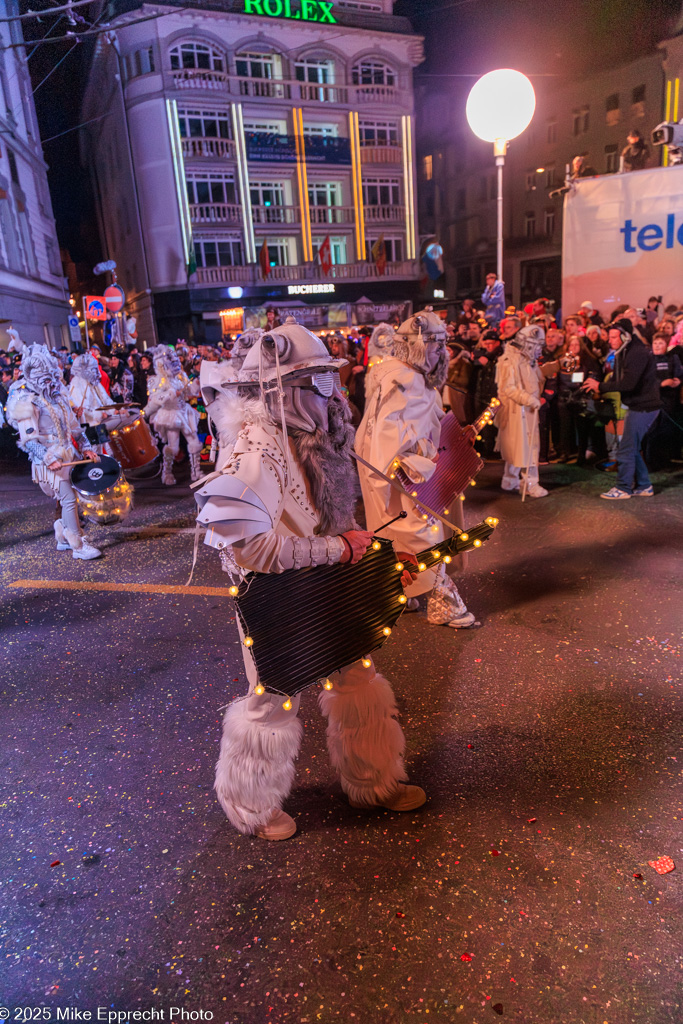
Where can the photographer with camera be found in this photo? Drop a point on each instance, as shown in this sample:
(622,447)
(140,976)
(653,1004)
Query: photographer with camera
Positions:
(635,378)
(580,428)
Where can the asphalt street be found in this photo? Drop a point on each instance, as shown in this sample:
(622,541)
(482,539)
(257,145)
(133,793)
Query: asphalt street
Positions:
(549,742)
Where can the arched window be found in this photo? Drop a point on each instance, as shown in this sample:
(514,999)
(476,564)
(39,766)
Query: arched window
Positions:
(258,65)
(373,72)
(196,55)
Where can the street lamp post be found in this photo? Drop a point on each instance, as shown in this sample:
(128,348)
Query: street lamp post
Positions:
(499,107)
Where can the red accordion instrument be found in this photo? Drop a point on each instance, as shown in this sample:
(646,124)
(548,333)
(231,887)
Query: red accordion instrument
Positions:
(458,463)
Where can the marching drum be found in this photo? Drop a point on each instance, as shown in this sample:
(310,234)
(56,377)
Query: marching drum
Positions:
(104,495)
(132,444)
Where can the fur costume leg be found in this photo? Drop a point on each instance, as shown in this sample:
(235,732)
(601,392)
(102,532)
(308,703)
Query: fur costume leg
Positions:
(195,467)
(167,476)
(365,741)
(255,769)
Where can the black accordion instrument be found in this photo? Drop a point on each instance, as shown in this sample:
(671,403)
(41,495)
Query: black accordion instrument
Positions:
(304,624)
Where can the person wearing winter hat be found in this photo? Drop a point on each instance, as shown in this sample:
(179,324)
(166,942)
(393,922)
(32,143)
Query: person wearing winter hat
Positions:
(285,500)
(402,425)
(520,383)
(38,407)
(635,379)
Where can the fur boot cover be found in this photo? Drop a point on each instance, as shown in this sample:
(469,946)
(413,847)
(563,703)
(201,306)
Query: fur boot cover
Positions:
(255,769)
(365,741)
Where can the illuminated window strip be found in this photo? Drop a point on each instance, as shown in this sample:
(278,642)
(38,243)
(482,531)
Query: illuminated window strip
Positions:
(356,178)
(302,176)
(179,172)
(408,183)
(243,176)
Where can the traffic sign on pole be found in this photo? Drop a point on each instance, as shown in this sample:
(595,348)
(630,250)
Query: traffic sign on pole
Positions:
(116,298)
(95,307)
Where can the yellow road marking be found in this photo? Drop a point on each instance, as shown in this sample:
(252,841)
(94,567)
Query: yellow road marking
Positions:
(133,588)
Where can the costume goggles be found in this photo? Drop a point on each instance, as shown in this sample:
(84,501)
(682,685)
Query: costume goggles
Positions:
(322,384)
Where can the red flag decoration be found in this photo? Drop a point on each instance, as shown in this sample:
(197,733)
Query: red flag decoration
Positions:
(325,256)
(379,254)
(264,258)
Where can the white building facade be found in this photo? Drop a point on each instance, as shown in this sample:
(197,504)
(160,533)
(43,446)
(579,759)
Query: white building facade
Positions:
(33,296)
(241,136)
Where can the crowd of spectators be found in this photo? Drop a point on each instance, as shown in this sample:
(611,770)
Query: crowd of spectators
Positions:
(579,423)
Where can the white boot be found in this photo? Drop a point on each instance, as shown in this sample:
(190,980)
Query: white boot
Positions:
(255,769)
(195,466)
(167,476)
(80,546)
(62,542)
(445,607)
(365,741)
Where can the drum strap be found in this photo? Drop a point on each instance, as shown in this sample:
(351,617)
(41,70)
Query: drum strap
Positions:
(406,494)
(197,530)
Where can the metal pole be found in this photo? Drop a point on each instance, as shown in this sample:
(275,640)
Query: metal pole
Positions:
(500,148)
(85,319)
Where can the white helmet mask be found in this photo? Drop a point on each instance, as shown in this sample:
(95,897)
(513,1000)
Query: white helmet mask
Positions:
(421,342)
(530,341)
(42,371)
(87,367)
(296,374)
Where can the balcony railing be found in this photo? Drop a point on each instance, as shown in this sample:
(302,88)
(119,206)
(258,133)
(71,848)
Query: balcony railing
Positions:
(208,147)
(285,89)
(253,275)
(215,213)
(332,214)
(275,215)
(370,154)
(199,78)
(384,214)
(377,94)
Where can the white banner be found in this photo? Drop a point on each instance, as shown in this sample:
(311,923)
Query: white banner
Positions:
(623,240)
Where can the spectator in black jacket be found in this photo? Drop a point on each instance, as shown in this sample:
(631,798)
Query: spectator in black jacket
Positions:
(635,378)
(484,359)
(663,442)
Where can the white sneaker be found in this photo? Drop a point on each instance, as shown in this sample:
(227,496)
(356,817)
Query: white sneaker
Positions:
(615,494)
(510,490)
(86,552)
(536,492)
(465,621)
(62,542)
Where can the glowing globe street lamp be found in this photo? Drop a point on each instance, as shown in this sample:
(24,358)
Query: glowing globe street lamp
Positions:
(499,107)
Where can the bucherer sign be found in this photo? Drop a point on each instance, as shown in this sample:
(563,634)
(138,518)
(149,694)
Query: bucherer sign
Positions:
(298,10)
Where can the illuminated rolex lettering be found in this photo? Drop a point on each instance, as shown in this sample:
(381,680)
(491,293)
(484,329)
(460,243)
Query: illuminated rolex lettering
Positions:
(298,10)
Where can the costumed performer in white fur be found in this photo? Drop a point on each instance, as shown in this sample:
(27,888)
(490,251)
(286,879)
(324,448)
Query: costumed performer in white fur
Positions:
(401,428)
(38,407)
(88,398)
(520,383)
(169,412)
(291,470)
(220,394)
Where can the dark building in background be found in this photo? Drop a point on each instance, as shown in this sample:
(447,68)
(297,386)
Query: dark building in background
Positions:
(593,85)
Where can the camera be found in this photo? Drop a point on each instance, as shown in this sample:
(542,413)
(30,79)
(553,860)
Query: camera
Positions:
(668,133)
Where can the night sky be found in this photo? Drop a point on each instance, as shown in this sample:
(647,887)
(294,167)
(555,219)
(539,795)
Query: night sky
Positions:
(463,37)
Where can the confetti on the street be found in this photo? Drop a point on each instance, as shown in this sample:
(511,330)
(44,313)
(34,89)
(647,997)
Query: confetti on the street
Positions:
(663,865)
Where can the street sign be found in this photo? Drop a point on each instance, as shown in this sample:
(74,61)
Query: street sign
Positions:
(95,307)
(74,329)
(116,298)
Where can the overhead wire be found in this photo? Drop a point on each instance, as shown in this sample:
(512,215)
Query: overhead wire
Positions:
(48,10)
